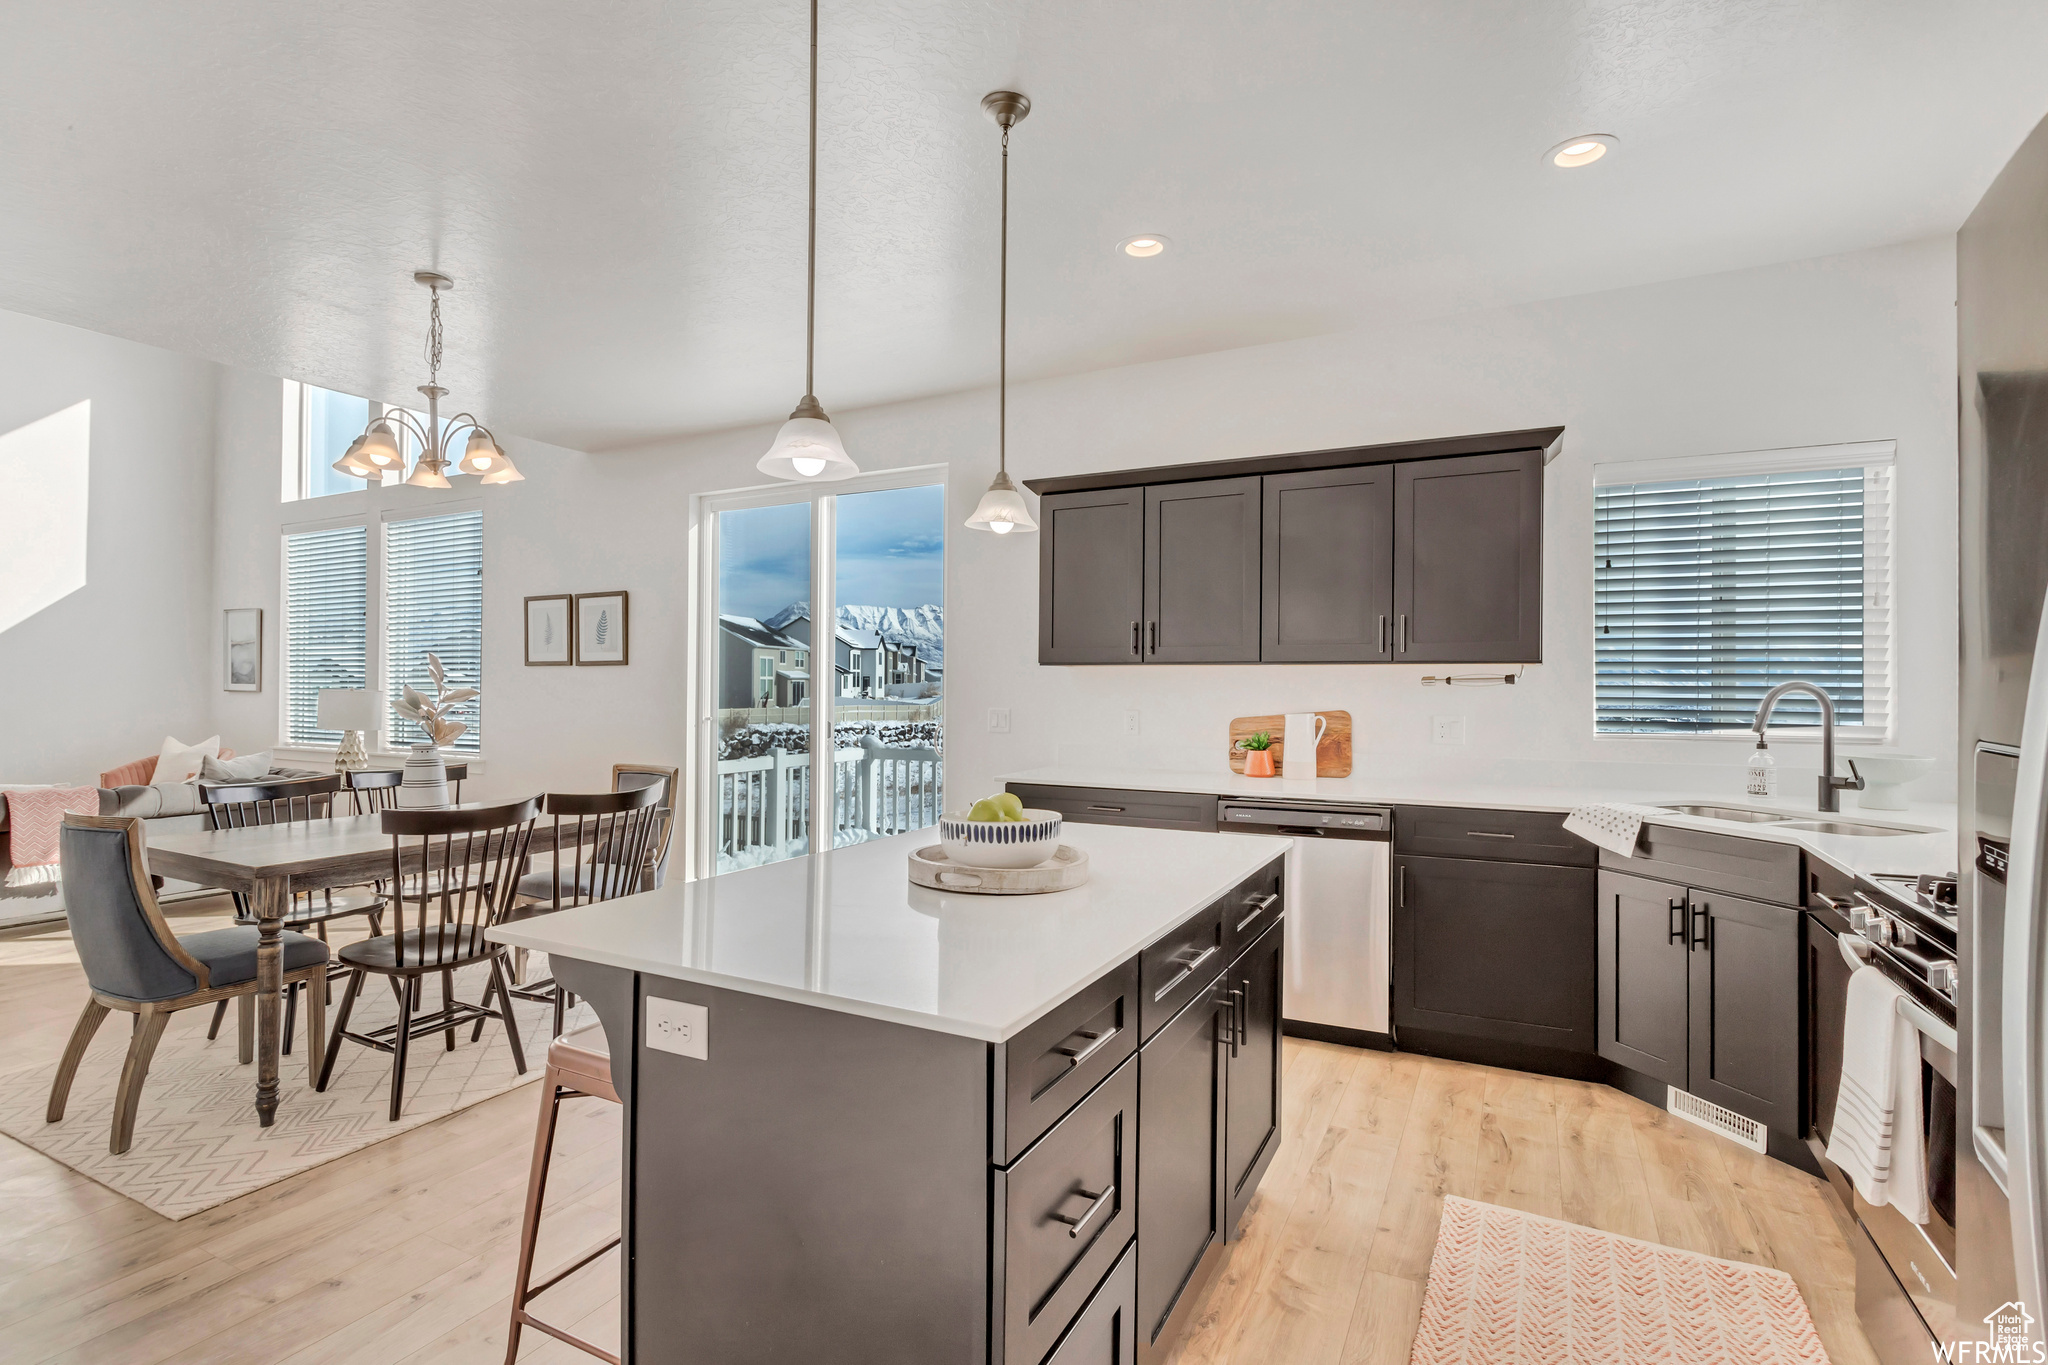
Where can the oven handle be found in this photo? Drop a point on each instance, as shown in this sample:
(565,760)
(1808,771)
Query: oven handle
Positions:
(1911,1010)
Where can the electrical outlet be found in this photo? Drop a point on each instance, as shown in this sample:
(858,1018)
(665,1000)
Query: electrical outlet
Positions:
(673,1026)
(1447,729)
(1130,722)
(999,720)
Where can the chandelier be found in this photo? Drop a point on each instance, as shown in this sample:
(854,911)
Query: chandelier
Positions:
(378,449)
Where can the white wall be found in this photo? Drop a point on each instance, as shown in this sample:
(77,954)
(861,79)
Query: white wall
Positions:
(101,674)
(1856,347)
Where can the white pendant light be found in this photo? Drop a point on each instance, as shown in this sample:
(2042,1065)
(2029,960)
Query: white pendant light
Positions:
(1002,509)
(378,449)
(807,449)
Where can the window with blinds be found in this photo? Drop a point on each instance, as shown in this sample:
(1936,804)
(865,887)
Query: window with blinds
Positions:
(1709,592)
(434,604)
(326,624)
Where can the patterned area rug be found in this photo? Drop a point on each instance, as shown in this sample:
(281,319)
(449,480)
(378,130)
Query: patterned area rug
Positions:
(1512,1288)
(197,1142)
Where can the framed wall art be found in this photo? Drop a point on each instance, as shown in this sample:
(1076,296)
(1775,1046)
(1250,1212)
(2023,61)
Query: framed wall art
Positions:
(242,658)
(550,633)
(600,628)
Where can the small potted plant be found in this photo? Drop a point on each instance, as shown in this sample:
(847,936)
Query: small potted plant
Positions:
(1258,754)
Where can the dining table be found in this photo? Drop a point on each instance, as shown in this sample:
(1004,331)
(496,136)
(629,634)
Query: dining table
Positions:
(270,864)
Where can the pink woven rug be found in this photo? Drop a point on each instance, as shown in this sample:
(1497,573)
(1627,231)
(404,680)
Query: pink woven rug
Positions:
(1512,1288)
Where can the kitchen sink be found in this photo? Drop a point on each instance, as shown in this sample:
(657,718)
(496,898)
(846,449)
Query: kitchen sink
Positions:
(1856,827)
(1738,813)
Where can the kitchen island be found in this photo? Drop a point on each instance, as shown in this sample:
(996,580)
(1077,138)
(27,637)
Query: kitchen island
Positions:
(868,1121)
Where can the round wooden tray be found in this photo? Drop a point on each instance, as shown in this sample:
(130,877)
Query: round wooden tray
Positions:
(1065,870)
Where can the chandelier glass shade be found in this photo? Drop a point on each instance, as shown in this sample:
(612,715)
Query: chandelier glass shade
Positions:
(381,447)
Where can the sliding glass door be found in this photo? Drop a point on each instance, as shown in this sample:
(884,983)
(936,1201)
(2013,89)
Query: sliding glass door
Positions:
(824,633)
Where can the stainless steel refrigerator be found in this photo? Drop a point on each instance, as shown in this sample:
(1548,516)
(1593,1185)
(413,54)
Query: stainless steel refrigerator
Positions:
(2002,331)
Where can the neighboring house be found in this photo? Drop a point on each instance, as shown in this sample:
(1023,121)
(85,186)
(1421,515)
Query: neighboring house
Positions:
(759,666)
(901,663)
(856,661)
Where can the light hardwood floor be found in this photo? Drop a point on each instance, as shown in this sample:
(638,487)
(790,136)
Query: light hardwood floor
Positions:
(402,1252)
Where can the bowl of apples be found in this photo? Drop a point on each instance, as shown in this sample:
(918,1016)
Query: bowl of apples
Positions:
(999,832)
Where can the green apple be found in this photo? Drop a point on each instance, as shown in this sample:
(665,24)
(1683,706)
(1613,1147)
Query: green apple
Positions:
(1011,807)
(986,811)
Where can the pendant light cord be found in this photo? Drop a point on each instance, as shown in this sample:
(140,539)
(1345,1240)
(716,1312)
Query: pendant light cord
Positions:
(1003,326)
(811,257)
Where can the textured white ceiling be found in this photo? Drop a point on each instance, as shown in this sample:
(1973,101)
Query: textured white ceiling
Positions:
(618,187)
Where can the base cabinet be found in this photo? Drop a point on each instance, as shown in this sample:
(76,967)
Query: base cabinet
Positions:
(1106,1333)
(1251,1091)
(1180,1195)
(1701,990)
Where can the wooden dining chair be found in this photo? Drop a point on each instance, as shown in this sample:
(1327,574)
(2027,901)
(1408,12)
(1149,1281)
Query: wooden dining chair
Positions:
(248,805)
(603,842)
(463,871)
(134,963)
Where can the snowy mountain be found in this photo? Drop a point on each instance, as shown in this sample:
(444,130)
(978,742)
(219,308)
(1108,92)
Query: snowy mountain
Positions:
(923,626)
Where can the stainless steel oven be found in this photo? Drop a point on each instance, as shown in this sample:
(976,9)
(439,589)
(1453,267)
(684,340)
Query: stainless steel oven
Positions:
(1906,1289)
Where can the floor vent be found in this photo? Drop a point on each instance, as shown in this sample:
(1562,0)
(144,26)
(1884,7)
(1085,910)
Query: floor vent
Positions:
(1714,1118)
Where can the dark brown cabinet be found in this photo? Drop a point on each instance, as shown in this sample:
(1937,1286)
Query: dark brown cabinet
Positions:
(1180,1147)
(1701,990)
(1496,951)
(1251,1092)
(1645,963)
(1091,577)
(1106,1332)
(1468,559)
(1422,552)
(1202,572)
(1327,581)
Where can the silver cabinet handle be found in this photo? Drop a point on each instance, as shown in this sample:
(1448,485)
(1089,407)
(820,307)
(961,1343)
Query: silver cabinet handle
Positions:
(1111,809)
(1383,633)
(1236,1019)
(1135,651)
(1152,635)
(1401,887)
(1185,972)
(1260,905)
(1401,633)
(1099,1041)
(1485,834)
(1101,1202)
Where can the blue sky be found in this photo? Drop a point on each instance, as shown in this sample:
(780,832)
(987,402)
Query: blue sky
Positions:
(891,552)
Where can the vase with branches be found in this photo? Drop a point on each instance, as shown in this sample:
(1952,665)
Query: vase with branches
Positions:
(426,775)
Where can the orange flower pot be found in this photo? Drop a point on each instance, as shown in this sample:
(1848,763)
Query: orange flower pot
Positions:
(1258,762)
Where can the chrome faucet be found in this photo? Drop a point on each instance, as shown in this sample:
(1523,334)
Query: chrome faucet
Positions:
(1829,783)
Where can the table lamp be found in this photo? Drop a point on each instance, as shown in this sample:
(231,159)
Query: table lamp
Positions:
(351,711)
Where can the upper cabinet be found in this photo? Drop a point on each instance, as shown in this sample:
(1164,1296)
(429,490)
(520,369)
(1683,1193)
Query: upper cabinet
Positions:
(1468,559)
(1091,577)
(1202,572)
(1328,566)
(1354,556)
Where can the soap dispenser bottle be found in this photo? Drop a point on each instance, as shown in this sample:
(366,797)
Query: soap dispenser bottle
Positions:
(1763,771)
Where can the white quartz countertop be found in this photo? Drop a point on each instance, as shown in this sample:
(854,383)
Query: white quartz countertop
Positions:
(1931,847)
(847,930)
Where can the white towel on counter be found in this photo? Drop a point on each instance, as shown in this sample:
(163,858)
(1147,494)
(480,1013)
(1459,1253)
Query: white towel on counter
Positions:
(1877,1139)
(1613,826)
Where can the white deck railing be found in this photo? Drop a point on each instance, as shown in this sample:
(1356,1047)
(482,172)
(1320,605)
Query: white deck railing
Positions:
(764,803)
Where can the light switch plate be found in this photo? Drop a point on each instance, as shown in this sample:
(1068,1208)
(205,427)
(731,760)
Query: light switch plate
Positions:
(683,1029)
(999,720)
(1448,729)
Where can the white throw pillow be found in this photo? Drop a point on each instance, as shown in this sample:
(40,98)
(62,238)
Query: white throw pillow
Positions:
(180,762)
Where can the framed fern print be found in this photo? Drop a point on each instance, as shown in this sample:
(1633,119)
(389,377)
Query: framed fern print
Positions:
(601,628)
(550,640)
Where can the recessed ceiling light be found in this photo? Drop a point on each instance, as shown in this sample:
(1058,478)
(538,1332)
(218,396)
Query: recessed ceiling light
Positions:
(1149,244)
(1582,150)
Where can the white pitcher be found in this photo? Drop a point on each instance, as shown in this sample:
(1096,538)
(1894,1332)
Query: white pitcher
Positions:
(1304,732)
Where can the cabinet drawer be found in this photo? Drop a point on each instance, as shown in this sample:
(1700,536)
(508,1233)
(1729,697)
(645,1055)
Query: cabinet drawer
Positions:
(1756,868)
(1180,966)
(1515,836)
(1110,806)
(1253,908)
(1048,1067)
(1106,1333)
(1064,1213)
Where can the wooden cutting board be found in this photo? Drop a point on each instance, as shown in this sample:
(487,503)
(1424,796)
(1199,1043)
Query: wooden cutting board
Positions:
(1333,755)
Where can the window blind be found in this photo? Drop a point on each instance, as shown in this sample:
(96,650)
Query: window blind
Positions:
(326,631)
(1709,592)
(434,604)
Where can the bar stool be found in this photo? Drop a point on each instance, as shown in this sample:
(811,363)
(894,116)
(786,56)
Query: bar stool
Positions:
(579,1067)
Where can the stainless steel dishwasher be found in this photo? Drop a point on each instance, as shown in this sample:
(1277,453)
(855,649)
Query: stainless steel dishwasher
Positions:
(1337,945)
